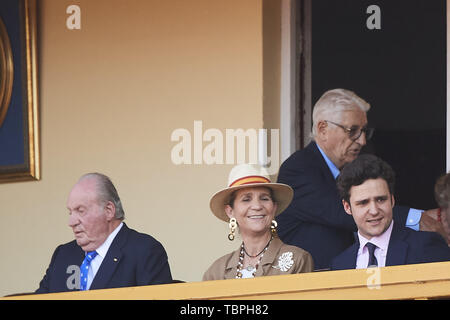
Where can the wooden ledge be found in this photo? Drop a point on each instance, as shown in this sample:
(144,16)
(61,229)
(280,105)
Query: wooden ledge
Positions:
(419,281)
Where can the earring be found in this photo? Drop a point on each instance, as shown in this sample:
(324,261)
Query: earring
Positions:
(273,227)
(232,224)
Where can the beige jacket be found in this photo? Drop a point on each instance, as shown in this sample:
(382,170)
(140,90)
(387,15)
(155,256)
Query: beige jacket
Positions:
(271,263)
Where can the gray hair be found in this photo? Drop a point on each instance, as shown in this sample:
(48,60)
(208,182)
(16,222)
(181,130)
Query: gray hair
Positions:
(332,103)
(442,191)
(106,192)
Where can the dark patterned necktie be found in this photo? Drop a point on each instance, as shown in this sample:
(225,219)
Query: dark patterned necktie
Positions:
(85,268)
(372,259)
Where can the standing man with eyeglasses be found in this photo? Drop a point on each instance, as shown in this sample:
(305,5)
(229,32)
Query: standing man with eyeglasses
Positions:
(316,220)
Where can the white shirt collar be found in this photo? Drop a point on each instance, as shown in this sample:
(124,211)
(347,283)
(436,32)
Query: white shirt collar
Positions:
(103,249)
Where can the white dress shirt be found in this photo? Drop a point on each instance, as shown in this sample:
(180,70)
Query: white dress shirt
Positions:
(101,253)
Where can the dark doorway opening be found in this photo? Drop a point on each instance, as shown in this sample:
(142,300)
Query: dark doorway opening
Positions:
(400,70)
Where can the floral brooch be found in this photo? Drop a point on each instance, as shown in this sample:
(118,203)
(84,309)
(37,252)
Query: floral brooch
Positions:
(285,261)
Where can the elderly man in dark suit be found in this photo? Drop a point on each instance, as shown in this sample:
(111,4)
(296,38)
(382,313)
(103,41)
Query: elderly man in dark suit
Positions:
(366,186)
(316,220)
(105,252)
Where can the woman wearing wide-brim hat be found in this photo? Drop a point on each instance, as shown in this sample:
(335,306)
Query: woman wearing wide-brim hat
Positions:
(251,202)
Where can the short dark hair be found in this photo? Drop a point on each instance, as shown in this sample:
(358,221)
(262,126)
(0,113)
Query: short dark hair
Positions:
(363,168)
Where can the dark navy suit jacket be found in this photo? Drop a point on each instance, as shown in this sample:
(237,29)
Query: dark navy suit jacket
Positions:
(133,259)
(406,246)
(316,220)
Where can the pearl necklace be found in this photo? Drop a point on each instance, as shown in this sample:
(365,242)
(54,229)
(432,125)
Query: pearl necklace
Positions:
(250,268)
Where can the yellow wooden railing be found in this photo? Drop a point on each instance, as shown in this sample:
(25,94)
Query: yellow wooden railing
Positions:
(419,281)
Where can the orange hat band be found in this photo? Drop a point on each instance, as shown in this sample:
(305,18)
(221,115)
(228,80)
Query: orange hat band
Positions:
(249,180)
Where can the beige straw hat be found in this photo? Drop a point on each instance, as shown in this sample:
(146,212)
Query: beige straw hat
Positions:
(245,176)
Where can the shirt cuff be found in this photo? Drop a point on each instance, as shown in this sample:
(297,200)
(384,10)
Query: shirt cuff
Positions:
(413,219)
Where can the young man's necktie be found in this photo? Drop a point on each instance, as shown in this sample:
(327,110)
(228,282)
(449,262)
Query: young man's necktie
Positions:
(372,259)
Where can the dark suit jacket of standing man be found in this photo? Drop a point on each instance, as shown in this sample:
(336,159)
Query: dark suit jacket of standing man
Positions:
(315,220)
(133,259)
(406,246)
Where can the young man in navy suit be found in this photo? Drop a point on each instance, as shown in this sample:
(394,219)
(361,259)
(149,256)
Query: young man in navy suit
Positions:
(105,252)
(366,186)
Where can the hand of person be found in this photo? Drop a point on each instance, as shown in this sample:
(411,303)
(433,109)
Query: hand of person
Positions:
(429,222)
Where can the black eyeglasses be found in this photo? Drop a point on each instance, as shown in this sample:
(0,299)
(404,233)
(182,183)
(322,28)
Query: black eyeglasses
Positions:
(355,132)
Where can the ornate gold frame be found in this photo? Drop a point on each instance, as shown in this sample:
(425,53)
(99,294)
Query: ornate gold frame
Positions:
(30,170)
(6,71)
